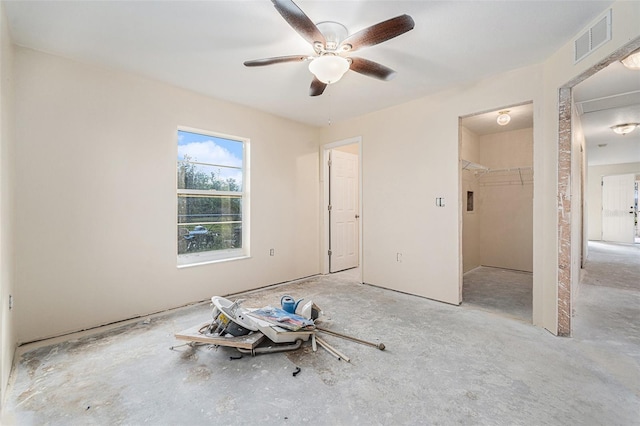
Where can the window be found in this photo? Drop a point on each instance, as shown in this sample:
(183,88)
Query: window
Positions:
(212,192)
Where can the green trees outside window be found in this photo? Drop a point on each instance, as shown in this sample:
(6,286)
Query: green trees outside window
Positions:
(210,175)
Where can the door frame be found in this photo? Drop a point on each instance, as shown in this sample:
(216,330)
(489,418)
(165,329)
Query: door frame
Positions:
(461,196)
(566,280)
(324,179)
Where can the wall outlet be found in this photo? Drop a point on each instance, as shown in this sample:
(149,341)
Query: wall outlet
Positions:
(272,252)
(399,257)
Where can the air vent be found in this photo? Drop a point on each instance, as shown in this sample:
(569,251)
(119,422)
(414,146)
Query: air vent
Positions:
(593,38)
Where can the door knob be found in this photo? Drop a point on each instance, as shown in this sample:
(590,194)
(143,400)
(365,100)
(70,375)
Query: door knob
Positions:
(357,216)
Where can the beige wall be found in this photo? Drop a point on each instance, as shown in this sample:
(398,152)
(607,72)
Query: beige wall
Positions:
(594,193)
(7,323)
(96,199)
(499,232)
(410,157)
(470,220)
(505,205)
(507,149)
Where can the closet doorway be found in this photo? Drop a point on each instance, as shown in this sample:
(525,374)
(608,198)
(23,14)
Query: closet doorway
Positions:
(496,168)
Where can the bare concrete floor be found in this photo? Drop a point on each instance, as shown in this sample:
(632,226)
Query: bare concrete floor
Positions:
(443,365)
(606,323)
(501,291)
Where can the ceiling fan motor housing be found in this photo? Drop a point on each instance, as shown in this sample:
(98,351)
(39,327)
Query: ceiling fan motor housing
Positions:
(334,34)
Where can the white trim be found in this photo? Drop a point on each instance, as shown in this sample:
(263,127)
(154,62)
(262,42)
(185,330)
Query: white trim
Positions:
(219,255)
(211,164)
(209,257)
(246,198)
(214,134)
(324,179)
(210,193)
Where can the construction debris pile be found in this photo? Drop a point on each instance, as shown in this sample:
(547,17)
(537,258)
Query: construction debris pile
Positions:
(264,330)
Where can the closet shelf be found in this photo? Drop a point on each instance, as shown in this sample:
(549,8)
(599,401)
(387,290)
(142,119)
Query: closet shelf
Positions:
(512,169)
(507,176)
(474,167)
(510,176)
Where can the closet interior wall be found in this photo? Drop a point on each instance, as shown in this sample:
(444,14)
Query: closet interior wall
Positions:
(470,219)
(498,169)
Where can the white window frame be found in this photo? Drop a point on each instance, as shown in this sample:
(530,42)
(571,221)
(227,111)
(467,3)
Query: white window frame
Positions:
(215,256)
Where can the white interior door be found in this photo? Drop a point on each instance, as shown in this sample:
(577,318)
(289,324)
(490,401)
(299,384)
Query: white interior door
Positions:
(343,214)
(617,208)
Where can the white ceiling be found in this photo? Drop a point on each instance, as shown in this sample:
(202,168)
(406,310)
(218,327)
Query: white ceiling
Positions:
(610,97)
(486,123)
(201,45)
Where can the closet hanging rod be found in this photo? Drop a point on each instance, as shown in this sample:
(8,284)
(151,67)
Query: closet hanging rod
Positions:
(512,169)
(502,183)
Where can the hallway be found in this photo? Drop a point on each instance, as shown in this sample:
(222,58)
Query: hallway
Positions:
(613,265)
(607,307)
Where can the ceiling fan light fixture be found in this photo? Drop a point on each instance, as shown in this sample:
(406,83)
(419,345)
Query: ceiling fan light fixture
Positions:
(623,129)
(503,118)
(329,68)
(632,61)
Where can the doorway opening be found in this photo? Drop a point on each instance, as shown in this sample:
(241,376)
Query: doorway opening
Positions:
(496,210)
(342,207)
(572,235)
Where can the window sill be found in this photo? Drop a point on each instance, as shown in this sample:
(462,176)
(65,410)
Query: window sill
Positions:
(206,258)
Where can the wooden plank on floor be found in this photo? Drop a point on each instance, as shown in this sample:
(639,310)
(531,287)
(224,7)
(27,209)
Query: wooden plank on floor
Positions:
(193,334)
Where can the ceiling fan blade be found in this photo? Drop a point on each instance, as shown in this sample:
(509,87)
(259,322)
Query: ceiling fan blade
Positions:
(317,87)
(299,21)
(275,60)
(371,69)
(378,33)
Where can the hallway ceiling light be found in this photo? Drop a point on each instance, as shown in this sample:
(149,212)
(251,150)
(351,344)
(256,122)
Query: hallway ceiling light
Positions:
(623,129)
(632,61)
(503,118)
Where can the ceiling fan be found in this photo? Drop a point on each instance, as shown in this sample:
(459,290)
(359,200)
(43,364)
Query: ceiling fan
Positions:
(331,42)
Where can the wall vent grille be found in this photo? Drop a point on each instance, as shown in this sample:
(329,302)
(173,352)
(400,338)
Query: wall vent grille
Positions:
(594,37)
